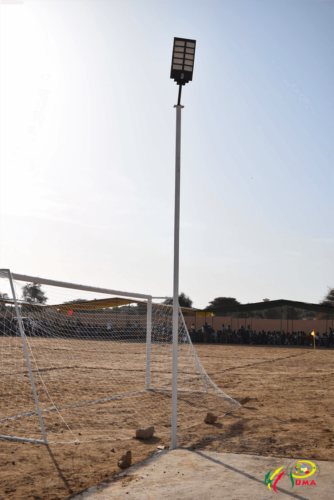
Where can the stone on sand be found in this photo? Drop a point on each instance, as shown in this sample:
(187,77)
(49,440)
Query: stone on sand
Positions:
(210,418)
(145,432)
(125,461)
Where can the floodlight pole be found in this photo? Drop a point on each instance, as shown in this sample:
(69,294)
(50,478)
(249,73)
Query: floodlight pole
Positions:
(148,343)
(176,269)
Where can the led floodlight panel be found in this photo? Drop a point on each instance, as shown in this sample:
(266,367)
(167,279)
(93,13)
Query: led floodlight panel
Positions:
(183,60)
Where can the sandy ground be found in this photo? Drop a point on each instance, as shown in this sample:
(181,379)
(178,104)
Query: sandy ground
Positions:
(91,390)
(209,475)
(287,397)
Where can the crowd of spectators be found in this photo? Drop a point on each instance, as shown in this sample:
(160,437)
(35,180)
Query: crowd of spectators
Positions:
(35,327)
(248,336)
(161,333)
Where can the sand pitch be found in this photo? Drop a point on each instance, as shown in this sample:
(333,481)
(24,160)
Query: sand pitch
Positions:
(287,411)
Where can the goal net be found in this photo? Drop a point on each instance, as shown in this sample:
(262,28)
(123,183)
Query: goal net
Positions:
(85,364)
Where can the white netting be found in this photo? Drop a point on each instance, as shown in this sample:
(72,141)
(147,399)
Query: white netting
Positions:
(88,354)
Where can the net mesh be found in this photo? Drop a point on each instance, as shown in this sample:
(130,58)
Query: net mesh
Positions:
(96,374)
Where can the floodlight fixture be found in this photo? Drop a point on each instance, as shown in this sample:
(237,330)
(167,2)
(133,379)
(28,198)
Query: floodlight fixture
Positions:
(183,59)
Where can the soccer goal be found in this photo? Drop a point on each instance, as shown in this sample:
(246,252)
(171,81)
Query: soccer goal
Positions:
(80,363)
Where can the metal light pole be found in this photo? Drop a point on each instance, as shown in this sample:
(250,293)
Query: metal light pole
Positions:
(176,273)
(181,71)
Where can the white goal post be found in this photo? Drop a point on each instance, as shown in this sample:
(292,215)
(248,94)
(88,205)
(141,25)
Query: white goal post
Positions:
(80,363)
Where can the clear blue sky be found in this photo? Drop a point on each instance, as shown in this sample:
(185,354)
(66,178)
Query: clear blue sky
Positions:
(88,146)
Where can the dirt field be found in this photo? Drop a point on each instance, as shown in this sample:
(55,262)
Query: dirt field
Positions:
(92,390)
(287,410)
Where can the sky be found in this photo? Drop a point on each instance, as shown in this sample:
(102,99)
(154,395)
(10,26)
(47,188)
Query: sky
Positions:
(88,146)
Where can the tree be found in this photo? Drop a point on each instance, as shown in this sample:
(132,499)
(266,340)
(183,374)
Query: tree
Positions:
(223,302)
(184,300)
(34,294)
(328,300)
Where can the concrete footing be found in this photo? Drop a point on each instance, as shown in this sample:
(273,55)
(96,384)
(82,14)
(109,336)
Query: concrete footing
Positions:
(205,475)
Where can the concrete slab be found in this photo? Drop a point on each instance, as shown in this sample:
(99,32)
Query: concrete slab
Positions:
(207,475)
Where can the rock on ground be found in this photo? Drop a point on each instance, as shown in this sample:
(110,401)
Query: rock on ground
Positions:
(145,432)
(125,461)
(210,418)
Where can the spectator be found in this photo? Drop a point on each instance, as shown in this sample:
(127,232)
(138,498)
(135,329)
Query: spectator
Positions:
(249,333)
(330,338)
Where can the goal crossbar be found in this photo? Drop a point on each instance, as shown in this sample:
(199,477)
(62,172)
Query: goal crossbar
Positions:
(62,284)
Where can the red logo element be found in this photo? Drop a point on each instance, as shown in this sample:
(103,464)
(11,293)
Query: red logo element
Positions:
(70,313)
(278,478)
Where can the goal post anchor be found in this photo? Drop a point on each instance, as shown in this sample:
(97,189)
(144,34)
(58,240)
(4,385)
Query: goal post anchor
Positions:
(27,356)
